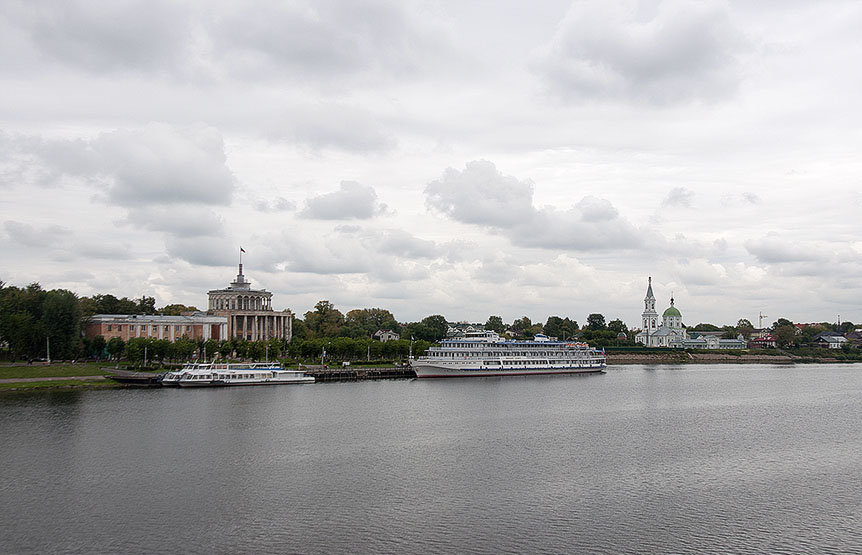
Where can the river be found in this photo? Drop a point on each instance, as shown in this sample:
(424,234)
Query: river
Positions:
(653,459)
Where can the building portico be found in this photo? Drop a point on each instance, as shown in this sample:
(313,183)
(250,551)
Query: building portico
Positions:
(249,312)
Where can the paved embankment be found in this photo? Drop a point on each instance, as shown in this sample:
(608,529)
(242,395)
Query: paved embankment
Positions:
(50,379)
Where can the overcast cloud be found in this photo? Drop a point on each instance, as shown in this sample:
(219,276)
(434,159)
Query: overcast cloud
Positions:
(462,158)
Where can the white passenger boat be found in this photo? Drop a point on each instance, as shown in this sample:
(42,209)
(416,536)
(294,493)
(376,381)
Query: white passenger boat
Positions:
(225,374)
(484,353)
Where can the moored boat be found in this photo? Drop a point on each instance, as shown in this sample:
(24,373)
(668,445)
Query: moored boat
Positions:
(484,353)
(227,374)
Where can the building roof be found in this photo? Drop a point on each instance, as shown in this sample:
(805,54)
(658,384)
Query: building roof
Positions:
(671,311)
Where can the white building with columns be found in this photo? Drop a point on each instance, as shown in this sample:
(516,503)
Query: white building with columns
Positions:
(249,312)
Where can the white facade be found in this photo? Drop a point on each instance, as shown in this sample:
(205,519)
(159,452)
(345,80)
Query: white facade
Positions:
(249,312)
(670,333)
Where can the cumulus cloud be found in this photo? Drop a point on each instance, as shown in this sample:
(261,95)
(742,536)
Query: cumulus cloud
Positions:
(163,164)
(772,249)
(33,236)
(183,221)
(204,251)
(352,201)
(278,204)
(303,41)
(158,164)
(400,243)
(131,34)
(785,257)
(323,38)
(330,125)
(656,53)
(678,196)
(482,195)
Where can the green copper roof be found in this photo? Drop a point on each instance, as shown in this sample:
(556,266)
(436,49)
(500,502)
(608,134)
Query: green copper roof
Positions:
(671,311)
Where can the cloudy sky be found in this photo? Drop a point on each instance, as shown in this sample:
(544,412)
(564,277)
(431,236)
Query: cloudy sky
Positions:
(462,158)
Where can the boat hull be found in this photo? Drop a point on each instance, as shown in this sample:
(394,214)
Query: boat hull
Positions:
(233,383)
(426,370)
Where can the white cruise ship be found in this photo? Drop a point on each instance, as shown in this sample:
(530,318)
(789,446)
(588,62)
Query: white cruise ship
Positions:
(223,374)
(483,353)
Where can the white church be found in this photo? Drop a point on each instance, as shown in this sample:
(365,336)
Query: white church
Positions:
(672,333)
(669,334)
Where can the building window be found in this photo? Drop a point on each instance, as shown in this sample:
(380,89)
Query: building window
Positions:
(109,327)
(120,327)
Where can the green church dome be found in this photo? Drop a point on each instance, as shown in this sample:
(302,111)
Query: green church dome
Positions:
(672,311)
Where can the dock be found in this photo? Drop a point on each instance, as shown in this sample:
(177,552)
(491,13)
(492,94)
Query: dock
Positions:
(139,379)
(354,373)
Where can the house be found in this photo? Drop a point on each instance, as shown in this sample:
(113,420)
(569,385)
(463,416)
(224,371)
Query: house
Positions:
(854,337)
(385,335)
(830,340)
(762,342)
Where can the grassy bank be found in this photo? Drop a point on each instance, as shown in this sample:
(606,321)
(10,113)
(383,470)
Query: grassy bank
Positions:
(59,384)
(56,370)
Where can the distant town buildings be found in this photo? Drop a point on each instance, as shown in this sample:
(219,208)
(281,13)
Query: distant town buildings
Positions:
(672,333)
(199,325)
(385,335)
(237,311)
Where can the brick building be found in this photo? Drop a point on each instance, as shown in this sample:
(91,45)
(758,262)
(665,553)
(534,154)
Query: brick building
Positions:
(127,326)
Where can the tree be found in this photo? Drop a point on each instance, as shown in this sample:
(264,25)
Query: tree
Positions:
(495,323)
(363,322)
(431,328)
(299,329)
(618,326)
(437,325)
(745,327)
(521,326)
(706,327)
(325,320)
(61,322)
(176,309)
(596,321)
(115,347)
(97,346)
(147,305)
(781,322)
(846,327)
(784,334)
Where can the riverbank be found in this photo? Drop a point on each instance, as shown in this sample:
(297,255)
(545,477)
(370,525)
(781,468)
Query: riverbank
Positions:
(61,375)
(685,357)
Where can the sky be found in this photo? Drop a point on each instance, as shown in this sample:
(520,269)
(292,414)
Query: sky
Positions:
(460,158)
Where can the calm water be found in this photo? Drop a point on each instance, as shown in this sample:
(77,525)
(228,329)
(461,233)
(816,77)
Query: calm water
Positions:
(643,459)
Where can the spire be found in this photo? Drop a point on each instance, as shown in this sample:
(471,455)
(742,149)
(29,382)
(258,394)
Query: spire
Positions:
(649,294)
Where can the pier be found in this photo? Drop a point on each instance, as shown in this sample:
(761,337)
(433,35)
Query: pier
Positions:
(353,373)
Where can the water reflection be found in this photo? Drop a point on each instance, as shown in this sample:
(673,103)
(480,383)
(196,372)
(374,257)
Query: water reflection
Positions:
(665,459)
